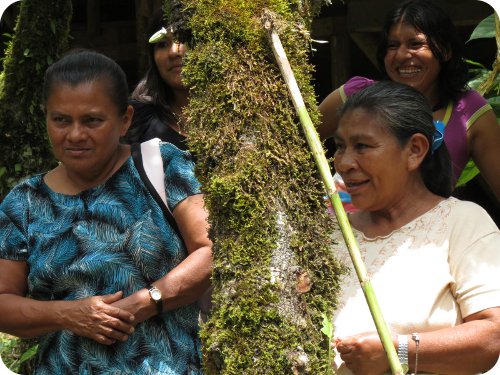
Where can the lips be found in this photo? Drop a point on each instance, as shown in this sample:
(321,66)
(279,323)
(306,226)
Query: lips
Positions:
(77,151)
(176,67)
(352,186)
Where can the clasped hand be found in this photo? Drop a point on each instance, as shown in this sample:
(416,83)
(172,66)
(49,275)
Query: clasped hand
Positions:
(363,353)
(96,318)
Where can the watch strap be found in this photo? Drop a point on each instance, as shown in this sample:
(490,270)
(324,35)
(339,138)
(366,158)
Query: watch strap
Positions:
(403,351)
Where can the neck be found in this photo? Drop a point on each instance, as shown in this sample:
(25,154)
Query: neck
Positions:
(433,98)
(411,204)
(71,182)
(181,99)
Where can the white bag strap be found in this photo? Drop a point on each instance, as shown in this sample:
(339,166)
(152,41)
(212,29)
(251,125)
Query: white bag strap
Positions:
(153,166)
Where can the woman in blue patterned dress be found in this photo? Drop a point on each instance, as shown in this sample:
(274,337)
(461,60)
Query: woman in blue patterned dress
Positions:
(87,260)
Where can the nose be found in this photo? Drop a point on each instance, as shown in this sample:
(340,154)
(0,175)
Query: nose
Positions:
(177,49)
(77,133)
(344,161)
(403,52)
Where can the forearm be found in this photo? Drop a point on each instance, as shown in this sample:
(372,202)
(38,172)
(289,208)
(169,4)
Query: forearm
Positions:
(183,285)
(27,318)
(187,282)
(469,348)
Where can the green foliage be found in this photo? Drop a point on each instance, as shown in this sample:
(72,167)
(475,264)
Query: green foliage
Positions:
(485,80)
(485,29)
(40,37)
(17,354)
(274,273)
(9,351)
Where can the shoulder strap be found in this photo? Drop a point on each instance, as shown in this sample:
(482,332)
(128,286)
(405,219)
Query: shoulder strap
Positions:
(150,169)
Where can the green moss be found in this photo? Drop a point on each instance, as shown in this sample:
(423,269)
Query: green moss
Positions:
(40,37)
(268,221)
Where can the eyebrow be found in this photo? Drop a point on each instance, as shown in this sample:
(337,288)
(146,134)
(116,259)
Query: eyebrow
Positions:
(354,138)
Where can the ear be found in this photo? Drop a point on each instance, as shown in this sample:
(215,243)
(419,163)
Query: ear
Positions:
(417,147)
(127,120)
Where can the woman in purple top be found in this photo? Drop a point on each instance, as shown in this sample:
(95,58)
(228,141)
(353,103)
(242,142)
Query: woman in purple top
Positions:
(420,47)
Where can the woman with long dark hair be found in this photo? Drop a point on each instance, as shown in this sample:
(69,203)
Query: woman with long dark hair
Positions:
(420,47)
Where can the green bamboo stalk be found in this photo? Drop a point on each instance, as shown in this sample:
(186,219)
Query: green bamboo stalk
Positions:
(326,175)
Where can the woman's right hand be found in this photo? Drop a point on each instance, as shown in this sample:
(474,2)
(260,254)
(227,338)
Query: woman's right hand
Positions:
(95,318)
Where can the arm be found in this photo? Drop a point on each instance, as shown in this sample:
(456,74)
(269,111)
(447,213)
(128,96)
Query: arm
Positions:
(92,317)
(469,348)
(187,282)
(484,145)
(328,109)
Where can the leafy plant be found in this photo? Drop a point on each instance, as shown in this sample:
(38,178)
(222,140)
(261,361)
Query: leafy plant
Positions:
(486,81)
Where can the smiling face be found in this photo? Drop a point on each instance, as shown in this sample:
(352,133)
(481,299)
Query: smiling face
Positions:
(370,159)
(84,127)
(168,57)
(409,60)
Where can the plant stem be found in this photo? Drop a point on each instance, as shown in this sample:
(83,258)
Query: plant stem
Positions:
(326,175)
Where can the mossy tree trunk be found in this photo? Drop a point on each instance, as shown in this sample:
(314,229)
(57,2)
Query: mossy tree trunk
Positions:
(40,37)
(274,274)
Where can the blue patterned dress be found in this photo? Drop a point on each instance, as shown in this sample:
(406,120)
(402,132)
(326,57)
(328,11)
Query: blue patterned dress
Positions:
(109,238)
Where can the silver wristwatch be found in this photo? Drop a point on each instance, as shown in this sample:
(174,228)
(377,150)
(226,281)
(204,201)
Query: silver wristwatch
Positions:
(155,296)
(403,351)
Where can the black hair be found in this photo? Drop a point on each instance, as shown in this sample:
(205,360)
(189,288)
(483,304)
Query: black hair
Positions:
(442,37)
(84,66)
(152,88)
(404,111)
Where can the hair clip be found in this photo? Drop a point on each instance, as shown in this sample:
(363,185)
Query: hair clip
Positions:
(160,34)
(437,138)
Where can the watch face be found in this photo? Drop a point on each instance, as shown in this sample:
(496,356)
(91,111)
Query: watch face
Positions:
(155,294)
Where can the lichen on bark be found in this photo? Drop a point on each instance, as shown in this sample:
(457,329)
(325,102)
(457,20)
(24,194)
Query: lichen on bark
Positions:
(40,37)
(275,274)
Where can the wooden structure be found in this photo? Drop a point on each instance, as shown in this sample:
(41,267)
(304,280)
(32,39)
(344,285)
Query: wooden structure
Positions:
(352,29)
(118,28)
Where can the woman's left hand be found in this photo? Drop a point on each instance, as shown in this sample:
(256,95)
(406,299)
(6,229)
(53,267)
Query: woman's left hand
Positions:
(363,354)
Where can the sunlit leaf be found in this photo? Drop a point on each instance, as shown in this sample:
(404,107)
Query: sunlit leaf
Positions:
(28,354)
(327,327)
(485,29)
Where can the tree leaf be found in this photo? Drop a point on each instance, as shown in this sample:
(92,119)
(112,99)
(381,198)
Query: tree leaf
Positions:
(485,29)
(30,353)
(327,327)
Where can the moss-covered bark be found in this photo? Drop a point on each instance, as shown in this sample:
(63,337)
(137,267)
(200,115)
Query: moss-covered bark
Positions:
(274,273)
(40,37)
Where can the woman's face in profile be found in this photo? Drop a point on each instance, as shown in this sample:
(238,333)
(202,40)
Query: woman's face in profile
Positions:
(168,56)
(409,59)
(370,160)
(84,125)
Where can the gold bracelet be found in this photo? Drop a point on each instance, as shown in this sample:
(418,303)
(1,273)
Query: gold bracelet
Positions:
(415,337)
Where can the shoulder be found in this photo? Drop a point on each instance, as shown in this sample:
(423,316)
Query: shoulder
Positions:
(24,188)
(180,178)
(472,97)
(354,85)
(171,152)
(467,220)
(470,105)
(178,164)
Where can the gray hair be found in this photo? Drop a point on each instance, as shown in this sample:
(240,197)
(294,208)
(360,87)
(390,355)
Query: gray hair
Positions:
(404,111)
